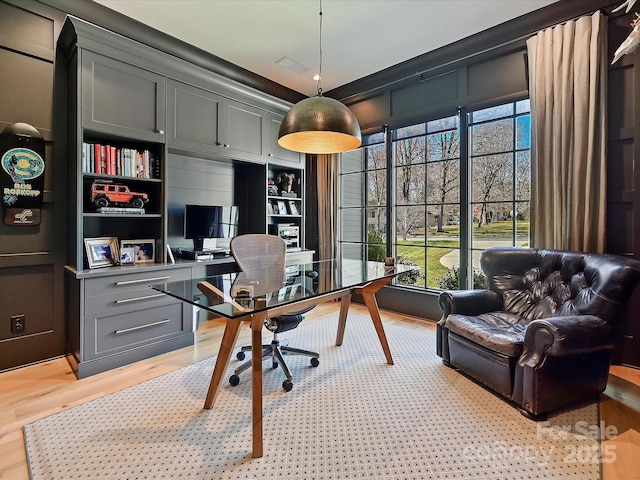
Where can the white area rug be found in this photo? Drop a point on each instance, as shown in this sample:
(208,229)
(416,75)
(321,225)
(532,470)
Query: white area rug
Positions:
(352,417)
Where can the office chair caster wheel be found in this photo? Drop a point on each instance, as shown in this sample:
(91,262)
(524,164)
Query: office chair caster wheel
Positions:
(240,355)
(274,365)
(287,385)
(314,362)
(234,380)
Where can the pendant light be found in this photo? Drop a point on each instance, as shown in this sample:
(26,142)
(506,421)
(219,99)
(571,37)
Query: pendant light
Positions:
(319,124)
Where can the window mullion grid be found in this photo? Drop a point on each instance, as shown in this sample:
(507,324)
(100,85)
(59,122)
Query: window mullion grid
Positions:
(365,206)
(425,196)
(390,227)
(465,199)
(514,216)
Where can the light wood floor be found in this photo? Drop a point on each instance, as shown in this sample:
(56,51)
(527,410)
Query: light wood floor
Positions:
(35,391)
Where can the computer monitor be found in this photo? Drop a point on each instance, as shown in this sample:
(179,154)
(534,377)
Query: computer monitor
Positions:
(209,221)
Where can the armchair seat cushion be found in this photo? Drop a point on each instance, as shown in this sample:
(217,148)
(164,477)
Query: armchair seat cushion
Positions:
(502,332)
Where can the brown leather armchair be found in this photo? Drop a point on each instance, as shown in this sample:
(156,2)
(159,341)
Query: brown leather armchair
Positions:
(543,332)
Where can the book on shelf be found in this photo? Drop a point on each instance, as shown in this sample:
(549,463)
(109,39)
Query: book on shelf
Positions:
(102,159)
(126,162)
(155,162)
(112,160)
(107,160)
(137,211)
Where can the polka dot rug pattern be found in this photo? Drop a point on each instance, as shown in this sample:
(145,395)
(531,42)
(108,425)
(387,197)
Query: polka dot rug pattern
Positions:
(352,417)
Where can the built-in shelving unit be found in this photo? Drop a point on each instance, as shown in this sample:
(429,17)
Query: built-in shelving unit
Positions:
(127,204)
(285,207)
(135,116)
(116,191)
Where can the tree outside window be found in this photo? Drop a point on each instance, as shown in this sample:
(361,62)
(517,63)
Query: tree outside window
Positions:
(425,196)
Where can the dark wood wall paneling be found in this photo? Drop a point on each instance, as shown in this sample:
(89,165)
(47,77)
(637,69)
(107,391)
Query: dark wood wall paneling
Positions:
(623,174)
(32,258)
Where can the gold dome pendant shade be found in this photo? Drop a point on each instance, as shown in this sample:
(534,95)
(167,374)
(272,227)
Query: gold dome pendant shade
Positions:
(319,125)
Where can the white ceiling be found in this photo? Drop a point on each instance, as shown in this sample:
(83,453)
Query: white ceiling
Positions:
(359,37)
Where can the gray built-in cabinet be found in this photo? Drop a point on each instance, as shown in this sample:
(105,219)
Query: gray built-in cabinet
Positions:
(275,153)
(121,99)
(200,120)
(191,124)
(203,121)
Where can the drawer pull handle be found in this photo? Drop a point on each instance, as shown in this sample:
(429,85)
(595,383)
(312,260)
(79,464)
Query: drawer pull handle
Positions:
(135,299)
(132,329)
(143,280)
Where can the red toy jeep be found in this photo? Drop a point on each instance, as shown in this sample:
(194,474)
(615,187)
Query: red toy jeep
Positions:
(104,194)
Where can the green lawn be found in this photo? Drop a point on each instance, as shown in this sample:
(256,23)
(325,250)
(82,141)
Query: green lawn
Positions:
(413,249)
(495,229)
(435,270)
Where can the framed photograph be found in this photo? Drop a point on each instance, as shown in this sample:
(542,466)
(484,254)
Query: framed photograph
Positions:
(269,208)
(143,250)
(102,252)
(293,208)
(127,256)
(282,207)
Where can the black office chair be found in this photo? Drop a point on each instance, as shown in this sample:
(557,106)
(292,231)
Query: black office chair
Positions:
(256,254)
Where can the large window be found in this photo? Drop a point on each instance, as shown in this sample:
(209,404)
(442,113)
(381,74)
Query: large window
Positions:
(499,144)
(451,186)
(363,201)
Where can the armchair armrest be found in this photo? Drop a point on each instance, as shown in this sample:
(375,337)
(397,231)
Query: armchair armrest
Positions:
(469,302)
(570,335)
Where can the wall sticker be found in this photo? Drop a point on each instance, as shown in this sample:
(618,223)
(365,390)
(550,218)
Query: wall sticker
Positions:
(22,174)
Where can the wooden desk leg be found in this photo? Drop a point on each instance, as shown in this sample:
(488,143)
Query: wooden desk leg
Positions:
(368,292)
(372,305)
(342,322)
(257,321)
(229,339)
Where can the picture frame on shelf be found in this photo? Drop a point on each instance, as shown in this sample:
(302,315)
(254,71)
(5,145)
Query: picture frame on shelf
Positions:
(144,251)
(102,252)
(127,256)
(272,190)
(269,208)
(282,207)
(293,208)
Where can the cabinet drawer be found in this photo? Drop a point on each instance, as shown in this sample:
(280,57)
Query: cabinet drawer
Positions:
(134,281)
(143,297)
(107,335)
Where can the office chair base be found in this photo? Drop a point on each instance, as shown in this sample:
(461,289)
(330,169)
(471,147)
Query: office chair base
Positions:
(276,352)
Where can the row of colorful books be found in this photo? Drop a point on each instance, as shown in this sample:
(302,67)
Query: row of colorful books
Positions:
(126,162)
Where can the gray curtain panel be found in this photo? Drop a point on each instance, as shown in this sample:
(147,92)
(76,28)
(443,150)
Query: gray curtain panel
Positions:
(328,222)
(328,205)
(567,87)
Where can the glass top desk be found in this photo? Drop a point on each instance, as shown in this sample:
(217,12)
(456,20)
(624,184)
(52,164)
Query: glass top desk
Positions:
(238,296)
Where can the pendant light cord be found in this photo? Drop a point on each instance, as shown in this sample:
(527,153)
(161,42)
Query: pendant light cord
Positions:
(320,71)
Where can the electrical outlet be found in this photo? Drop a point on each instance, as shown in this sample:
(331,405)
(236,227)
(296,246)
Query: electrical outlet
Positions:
(17,323)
